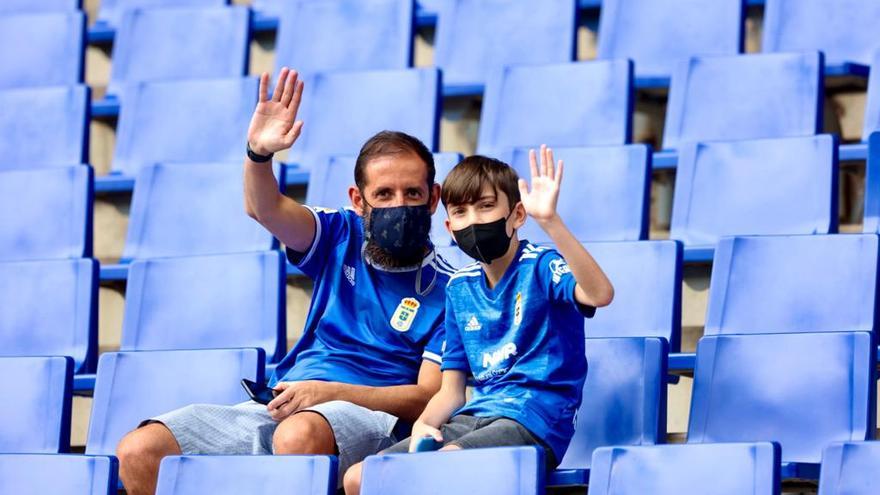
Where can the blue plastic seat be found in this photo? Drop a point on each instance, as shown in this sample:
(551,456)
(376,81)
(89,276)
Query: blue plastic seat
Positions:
(197,474)
(872,185)
(657,34)
(647,290)
(366,35)
(36,419)
(744,97)
(154,44)
(42,49)
(756,187)
(340,118)
(134,386)
(215,223)
(850,468)
(477,37)
(844,30)
(110,12)
(573,104)
(624,402)
(50,308)
(18,6)
(720,469)
(59,474)
(605,193)
(203,302)
(872,108)
(41,127)
(808,283)
(463,471)
(48,213)
(803,390)
(196,121)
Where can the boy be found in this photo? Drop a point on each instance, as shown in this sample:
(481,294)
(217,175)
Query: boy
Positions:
(514,321)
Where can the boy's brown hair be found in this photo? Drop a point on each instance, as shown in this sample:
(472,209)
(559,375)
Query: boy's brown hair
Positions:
(464,184)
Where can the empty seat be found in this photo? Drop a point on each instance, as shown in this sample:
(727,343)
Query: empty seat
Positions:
(36,418)
(872,109)
(42,127)
(42,49)
(197,474)
(803,390)
(59,474)
(366,34)
(808,283)
(720,469)
(756,187)
(850,469)
(657,34)
(50,308)
(213,222)
(111,11)
(477,37)
(202,302)
(196,121)
(134,386)
(872,185)
(844,30)
(443,164)
(744,97)
(624,402)
(486,471)
(647,290)
(605,193)
(154,44)
(574,104)
(48,213)
(340,117)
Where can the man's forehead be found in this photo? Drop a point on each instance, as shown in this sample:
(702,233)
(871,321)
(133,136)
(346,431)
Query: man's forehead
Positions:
(398,170)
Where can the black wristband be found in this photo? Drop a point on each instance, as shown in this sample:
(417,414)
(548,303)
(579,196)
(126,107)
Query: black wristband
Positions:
(258,158)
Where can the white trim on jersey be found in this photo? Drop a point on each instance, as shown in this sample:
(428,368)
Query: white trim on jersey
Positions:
(430,356)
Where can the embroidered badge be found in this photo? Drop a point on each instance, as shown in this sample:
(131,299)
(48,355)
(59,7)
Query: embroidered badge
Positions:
(405,314)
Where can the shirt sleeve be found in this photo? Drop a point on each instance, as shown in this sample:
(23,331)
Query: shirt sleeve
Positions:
(434,349)
(559,284)
(454,355)
(331,228)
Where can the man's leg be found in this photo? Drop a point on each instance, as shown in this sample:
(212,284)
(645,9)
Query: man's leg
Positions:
(140,453)
(306,432)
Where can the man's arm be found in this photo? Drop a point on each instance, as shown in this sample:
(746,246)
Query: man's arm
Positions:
(274,128)
(404,401)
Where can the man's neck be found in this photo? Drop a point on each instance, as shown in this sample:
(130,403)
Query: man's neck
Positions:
(496,269)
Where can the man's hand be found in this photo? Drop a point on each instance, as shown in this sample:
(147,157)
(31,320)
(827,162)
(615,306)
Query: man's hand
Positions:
(296,396)
(274,126)
(421,430)
(540,203)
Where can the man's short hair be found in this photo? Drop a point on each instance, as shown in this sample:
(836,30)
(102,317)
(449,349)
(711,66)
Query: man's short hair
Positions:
(387,143)
(464,184)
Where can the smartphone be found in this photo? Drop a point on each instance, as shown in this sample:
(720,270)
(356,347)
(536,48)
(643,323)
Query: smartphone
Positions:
(427,444)
(258,392)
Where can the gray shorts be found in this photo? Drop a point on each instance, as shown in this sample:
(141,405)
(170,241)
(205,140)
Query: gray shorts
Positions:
(471,432)
(247,428)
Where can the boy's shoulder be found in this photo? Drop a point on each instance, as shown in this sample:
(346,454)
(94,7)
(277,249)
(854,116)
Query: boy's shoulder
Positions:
(466,274)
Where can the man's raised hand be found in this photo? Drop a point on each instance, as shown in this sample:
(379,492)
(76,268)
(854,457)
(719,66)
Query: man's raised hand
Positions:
(274,126)
(540,202)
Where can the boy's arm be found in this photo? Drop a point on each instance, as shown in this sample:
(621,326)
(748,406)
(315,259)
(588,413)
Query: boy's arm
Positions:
(593,287)
(440,408)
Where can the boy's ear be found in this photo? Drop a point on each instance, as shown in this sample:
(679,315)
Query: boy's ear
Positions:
(435,198)
(519,215)
(357,201)
(448,226)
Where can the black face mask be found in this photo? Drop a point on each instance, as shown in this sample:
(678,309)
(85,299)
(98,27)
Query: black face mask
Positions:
(484,242)
(400,230)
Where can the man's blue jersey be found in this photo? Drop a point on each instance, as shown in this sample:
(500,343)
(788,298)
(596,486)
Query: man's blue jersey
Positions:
(522,341)
(366,325)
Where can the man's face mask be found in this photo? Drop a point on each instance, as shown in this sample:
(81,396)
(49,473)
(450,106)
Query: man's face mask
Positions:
(484,242)
(402,231)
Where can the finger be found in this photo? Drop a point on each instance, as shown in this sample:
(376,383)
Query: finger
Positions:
(264,87)
(559,173)
(544,160)
(551,172)
(279,86)
(289,88)
(297,97)
(533,164)
(437,435)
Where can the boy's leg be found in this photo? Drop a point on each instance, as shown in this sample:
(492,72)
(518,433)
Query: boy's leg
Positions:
(503,432)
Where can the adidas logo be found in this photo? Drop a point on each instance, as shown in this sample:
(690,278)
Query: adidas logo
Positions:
(473,325)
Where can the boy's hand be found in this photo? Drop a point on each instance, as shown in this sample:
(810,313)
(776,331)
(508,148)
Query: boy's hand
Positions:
(540,203)
(421,430)
(274,126)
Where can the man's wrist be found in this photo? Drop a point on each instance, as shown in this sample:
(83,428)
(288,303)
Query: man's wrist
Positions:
(258,155)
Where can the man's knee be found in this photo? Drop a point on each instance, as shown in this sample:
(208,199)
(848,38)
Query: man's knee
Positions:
(304,433)
(351,481)
(150,443)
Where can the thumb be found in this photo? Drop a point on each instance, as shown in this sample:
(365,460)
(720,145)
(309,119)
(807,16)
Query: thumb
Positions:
(523,187)
(437,436)
(281,386)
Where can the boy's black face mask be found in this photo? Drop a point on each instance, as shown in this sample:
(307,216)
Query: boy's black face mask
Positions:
(485,242)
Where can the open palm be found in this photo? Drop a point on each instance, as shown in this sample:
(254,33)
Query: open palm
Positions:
(540,202)
(274,126)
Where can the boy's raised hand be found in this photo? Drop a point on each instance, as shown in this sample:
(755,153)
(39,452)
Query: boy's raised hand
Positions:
(274,126)
(540,202)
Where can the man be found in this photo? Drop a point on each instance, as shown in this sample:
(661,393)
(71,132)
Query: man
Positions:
(371,347)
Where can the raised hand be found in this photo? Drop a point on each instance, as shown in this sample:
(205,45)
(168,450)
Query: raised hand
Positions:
(540,202)
(274,126)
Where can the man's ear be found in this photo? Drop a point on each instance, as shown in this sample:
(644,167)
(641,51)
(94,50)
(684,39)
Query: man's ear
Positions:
(435,198)
(357,201)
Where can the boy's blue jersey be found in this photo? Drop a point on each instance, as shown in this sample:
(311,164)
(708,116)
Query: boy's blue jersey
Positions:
(522,341)
(366,325)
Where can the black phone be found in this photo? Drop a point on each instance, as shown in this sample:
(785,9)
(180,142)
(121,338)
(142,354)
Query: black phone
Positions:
(258,392)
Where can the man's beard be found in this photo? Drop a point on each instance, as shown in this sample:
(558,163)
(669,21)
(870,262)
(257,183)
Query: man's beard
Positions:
(382,257)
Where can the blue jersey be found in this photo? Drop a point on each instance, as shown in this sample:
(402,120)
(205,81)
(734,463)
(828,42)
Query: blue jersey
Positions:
(366,325)
(522,342)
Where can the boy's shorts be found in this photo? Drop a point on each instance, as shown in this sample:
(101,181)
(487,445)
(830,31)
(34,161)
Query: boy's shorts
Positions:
(471,432)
